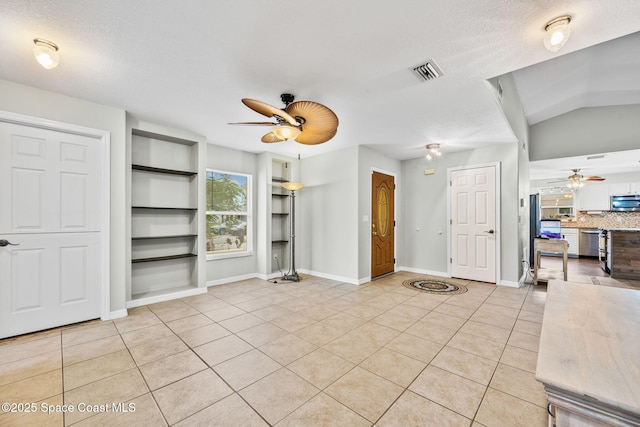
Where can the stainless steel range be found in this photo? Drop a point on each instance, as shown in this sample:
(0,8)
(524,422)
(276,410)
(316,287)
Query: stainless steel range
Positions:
(603,249)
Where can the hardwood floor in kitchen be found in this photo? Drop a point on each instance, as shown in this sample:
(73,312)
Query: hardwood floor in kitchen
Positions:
(585,270)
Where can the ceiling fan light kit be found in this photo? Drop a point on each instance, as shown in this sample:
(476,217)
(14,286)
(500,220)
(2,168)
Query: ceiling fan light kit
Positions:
(306,122)
(286,132)
(557,33)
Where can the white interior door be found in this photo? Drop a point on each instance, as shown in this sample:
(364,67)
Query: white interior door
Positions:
(473,224)
(50,183)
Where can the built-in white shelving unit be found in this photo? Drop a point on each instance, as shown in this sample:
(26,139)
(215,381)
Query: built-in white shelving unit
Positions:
(167,214)
(280,172)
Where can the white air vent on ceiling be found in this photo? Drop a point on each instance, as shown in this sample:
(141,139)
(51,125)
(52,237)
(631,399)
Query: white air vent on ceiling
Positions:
(428,71)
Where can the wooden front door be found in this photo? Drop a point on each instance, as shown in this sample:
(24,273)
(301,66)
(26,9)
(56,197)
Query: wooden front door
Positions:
(382,224)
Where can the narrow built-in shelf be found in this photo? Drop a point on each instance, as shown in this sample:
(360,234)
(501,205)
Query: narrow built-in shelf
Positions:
(162,170)
(175,236)
(279,195)
(150,297)
(279,241)
(279,213)
(276,179)
(163,258)
(162,207)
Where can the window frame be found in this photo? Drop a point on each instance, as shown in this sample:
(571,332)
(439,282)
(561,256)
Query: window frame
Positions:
(248,213)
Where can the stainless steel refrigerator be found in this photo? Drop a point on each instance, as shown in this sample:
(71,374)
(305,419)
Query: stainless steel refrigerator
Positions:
(534,223)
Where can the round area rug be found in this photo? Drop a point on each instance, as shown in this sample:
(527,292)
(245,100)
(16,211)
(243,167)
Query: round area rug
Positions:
(434,286)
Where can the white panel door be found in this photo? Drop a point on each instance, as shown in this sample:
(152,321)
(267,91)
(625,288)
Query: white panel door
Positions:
(473,224)
(51,191)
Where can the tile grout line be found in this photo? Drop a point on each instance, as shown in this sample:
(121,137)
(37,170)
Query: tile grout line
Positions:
(429,364)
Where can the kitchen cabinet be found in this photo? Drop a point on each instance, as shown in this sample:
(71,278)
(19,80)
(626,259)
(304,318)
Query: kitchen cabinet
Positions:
(571,236)
(594,196)
(624,247)
(621,188)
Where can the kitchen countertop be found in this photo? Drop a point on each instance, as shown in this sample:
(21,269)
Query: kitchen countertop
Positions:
(589,345)
(622,229)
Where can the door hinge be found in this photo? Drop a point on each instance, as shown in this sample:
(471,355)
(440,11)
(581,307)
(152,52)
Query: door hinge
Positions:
(450,183)
(450,260)
(451,222)
(394,223)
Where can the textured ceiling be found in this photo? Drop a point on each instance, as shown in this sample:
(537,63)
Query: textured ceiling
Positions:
(187,64)
(605,74)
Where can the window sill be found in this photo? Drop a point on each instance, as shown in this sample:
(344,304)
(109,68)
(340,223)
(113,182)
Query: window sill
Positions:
(213,257)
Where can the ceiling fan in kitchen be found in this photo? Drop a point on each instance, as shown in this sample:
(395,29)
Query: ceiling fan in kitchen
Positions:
(576,180)
(306,122)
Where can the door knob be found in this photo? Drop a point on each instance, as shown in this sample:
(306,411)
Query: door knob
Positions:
(490,231)
(374,233)
(4,243)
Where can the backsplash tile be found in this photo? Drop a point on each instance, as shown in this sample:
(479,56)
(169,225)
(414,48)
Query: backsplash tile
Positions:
(605,220)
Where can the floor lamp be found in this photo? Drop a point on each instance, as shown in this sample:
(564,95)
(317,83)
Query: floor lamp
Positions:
(292,274)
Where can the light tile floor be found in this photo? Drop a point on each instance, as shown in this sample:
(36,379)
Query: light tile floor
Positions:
(314,353)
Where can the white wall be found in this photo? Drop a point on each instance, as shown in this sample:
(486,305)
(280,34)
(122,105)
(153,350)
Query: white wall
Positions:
(30,101)
(327,215)
(512,108)
(586,131)
(425,231)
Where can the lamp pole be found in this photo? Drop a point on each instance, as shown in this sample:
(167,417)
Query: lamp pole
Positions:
(292,274)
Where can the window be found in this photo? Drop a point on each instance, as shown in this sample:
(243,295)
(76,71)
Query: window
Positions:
(228,214)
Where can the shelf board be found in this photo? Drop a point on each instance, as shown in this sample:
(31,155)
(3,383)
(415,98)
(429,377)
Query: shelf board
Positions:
(162,170)
(165,208)
(163,258)
(279,213)
(276,179)
(279,241)
(150,297)
(279,195)
(174,236)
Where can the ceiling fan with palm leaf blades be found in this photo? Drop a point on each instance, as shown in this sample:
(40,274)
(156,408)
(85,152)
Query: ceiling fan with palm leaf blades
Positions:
(576,180)
(306,122)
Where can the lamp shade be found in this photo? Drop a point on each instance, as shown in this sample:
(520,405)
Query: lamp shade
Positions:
(292,186)
(286,132)
(558,32)
(46,53)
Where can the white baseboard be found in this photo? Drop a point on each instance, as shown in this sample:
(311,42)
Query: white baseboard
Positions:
(117,314)
(226,280)
(510,283)
(349,280)
(422,271)
(166,297)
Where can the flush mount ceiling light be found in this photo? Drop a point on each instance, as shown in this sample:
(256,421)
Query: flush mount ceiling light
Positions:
(433,150)
(558,32)
(46,53)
